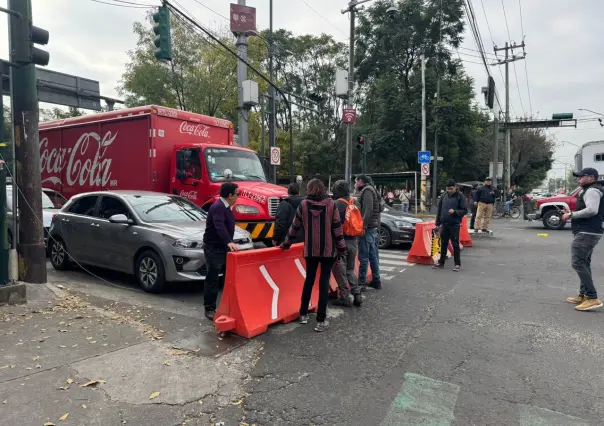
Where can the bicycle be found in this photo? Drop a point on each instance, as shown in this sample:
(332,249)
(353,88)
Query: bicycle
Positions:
(500,212)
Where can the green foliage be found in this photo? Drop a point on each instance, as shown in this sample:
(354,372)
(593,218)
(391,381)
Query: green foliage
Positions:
(56,113)
(532,156)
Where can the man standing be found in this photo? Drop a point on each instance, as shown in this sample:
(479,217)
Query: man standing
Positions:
(586,222)
(343,269)
(368,244)
(285,216)
(405,197)
(451,210)
(474,205)
(217,240)
(484,198)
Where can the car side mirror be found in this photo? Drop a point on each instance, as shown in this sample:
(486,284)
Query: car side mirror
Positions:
(120,218)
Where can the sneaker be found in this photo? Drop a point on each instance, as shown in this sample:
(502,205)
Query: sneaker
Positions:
(375,284)
(345,302)
(588,305)
(456,268)
(358,300)
(576,299)
(303,319)
(210,315)
(321,326)
(438,266)
(485,231)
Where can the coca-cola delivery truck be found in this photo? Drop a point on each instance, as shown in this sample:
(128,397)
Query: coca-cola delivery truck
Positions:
(154,148)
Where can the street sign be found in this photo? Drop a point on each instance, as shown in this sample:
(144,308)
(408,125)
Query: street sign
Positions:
(439,158)
(423,157)
(349,116)
(275,156)
(243,19)
(425,169)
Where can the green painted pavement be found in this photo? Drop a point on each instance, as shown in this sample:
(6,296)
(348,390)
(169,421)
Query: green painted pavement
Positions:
(535,416)
(423,401)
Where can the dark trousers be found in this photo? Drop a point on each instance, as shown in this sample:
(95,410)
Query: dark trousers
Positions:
(312,264)
(216,262)
(449,233)
(582,247)
(474,209)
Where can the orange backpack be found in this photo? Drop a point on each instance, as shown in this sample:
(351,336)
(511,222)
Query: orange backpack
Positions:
(353,220)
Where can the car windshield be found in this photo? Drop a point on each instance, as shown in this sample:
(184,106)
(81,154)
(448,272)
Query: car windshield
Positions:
(165,208)
(245,165)
(46,201)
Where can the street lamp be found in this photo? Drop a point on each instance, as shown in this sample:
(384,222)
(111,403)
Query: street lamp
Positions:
(588,110)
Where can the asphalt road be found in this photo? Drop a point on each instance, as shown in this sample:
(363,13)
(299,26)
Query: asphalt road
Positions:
(495,344)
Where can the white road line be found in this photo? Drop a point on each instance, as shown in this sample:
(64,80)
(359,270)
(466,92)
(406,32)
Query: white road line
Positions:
(393,262)
(386,277)
(387,268)
(397,255)
(275,301)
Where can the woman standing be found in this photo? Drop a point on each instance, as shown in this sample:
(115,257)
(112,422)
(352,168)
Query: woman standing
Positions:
(323,237)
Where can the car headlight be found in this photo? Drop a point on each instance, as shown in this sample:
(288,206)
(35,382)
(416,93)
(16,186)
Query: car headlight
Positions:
(184,243)
(243,209)
(403,225)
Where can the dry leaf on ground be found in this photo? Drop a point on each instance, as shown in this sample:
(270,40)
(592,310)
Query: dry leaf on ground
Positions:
(84,406)
(154,395)
(166,362)
(70,381)
(93,383)
(64,417)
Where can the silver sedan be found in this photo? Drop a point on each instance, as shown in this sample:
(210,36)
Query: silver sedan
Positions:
(156,237)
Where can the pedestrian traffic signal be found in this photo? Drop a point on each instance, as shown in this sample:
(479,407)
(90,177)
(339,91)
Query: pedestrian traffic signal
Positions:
(25,51)
(163,38)
(360,143)
(367,145)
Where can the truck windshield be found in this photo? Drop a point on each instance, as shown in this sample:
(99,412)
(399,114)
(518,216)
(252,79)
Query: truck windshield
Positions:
(244,165)
(164,208)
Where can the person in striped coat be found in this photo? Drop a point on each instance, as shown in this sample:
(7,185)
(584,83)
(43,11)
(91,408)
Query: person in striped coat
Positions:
(319,217)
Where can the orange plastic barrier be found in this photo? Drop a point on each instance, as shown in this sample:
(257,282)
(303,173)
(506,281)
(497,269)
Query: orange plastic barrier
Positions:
(464,234)
(421,249)
(262,287)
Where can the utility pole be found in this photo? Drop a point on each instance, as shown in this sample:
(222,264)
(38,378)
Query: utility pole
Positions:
(241,45)
(350,95)
(272,124)
(435,177)
(31,249)
(424,192)
(506,61)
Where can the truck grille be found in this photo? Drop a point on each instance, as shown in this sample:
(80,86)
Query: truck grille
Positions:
(273,204)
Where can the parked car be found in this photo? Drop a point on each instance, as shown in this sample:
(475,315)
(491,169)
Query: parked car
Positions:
(154,236)
(56,197)
(550,209)
(397,227)
(49,209)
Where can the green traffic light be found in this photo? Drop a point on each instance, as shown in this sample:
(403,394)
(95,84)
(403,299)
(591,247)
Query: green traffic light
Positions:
(163,39)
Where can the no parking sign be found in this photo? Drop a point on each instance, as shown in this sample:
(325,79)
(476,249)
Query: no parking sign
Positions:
(275,156)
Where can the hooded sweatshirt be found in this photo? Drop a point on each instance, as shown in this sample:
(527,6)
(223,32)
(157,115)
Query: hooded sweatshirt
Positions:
(319,219)
(284,218)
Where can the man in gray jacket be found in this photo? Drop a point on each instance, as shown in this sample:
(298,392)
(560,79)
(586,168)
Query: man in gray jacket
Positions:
(368,243)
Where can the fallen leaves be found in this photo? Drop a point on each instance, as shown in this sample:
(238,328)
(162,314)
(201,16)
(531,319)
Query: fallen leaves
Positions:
(154,395)
(64,417)
(49,424)
(166,362)
(92,383)
(5,401)
(84,406)
(70,381)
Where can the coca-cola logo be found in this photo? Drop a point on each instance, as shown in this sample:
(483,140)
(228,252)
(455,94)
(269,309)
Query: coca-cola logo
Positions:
(84,164)
(194,129)
(189,195)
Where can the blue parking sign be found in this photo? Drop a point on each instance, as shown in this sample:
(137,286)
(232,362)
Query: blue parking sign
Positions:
(423,157)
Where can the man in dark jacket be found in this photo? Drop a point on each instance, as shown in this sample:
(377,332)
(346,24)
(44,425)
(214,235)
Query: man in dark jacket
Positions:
(343,269)
(474,205)
(451,210)
(484,199)
(217,240)
(285,216)
(371,208)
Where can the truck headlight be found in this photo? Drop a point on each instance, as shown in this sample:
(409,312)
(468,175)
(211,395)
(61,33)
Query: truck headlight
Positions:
(404,225)
(184,243)
(243,209)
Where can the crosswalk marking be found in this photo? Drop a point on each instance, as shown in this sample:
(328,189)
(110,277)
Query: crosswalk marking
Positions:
(387,268)
(391,262)
(393,255)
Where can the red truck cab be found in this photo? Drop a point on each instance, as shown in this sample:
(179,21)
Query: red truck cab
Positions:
(159,149)
(551,209)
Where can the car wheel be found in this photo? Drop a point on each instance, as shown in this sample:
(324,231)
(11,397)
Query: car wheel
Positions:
(384,237)
(553,220)
(150,272)
(58,255)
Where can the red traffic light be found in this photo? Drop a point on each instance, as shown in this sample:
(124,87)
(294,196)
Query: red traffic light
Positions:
(361,140)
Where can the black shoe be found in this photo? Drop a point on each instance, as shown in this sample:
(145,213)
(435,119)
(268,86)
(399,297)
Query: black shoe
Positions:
(456,268)
(347,303)
(363,288)
(210,315)
(438,266)
(358,300)
(375,284)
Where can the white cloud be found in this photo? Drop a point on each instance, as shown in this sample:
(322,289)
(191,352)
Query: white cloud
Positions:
(564,57)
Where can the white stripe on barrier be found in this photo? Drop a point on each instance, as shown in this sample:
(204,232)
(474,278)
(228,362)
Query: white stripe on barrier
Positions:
(275,301)
(303,273)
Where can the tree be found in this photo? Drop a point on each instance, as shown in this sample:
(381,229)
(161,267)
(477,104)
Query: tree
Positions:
(57,113)
(531,157)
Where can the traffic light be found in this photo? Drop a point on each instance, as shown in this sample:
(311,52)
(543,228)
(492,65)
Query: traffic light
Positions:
(25,51)
(367,145)
(360,143)
(163,38)
(491,93)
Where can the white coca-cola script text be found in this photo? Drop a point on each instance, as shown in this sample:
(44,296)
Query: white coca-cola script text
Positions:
(84,164)
(189,195)
(194,129)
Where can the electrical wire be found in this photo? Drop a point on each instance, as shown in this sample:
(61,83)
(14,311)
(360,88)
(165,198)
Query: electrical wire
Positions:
(324,18)
(210,9)
(123,3)
(505,17)
(528,87)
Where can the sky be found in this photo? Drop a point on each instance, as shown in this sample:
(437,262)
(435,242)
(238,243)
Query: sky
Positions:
(563,67)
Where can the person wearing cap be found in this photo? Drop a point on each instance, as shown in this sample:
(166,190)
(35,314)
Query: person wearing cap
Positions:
(484,199)
(586,223)
(452,208)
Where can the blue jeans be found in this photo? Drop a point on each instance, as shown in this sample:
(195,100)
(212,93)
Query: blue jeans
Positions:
(405,207)
(368,254)
(508,205)
(581,249)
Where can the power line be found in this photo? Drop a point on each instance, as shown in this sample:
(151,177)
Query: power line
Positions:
(324,18)
(124,3)
(208,8)
(528,87)
(505,17)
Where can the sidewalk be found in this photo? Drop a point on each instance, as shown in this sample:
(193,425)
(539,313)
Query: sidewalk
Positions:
(64,360)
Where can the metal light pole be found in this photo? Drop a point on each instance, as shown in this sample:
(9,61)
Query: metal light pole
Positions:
(243,134)
(271,93)
(424,193)
(350,94)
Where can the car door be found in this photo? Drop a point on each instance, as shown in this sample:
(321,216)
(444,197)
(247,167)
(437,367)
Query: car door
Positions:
(116,243)
(77,228)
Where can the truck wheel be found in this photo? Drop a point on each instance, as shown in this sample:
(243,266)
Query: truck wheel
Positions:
(150,272)
(553,220)
(59,258)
